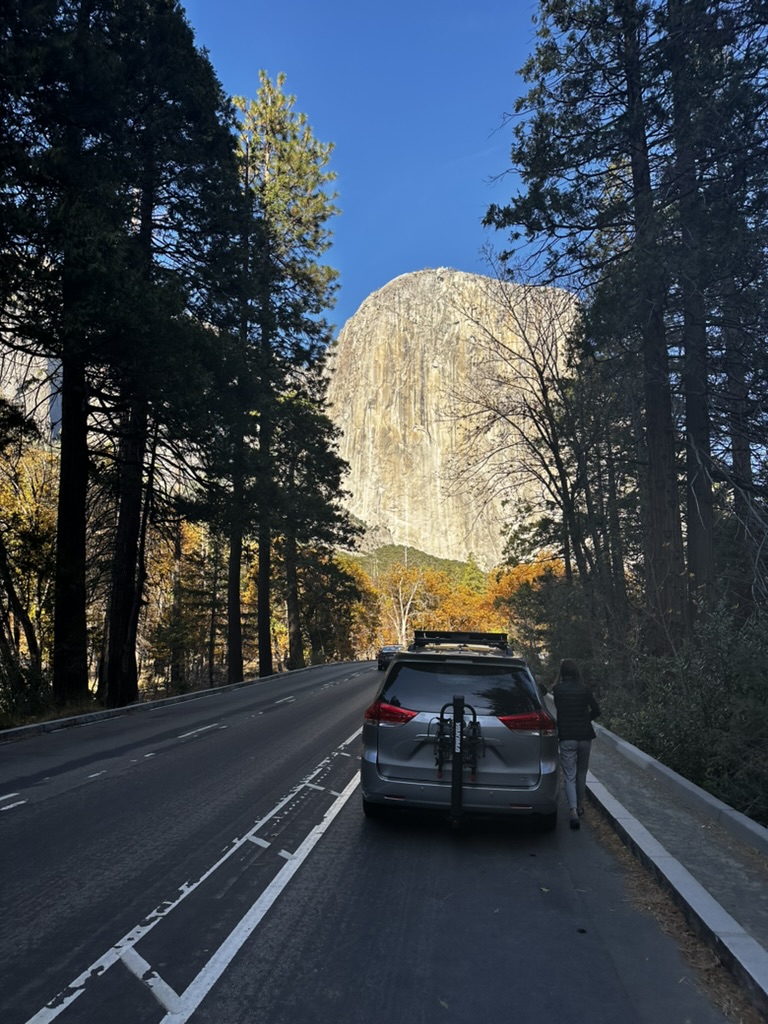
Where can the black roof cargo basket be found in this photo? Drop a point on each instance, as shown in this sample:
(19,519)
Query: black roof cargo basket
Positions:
(432,637)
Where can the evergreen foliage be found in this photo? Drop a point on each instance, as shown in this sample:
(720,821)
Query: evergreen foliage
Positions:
(277,336)
(640,151)
(388,555)
(159,248)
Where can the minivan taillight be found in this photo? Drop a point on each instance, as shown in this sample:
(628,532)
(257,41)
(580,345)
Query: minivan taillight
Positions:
(532,721)
(387,714)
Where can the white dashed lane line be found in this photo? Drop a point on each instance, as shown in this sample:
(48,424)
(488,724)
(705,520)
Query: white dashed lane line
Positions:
(196,732)
(10,796)
(181,1006)
(96,775)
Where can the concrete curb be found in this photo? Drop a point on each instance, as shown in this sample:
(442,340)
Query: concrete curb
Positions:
(738,824)
(745,957)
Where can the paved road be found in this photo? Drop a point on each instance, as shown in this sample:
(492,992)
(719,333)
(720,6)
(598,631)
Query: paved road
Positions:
(209,862)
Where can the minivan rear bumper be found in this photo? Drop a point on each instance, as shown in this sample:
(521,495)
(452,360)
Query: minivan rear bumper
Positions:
(476,799)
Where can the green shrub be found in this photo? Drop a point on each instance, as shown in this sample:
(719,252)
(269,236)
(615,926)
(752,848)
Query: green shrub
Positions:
(704,712)
(25,695)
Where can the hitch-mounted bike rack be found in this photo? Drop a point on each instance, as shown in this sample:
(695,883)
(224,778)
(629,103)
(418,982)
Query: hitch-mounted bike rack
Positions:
(459,742)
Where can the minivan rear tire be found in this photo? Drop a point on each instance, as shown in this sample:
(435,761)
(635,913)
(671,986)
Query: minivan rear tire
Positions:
(546,822)
(371,810)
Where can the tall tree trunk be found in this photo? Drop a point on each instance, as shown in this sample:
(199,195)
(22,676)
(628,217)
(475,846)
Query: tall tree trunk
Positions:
(213,621)
(141,559)
(264,575)
(70,634)
(699,504)
(620,602)
(125,595)
(602,591)
(295,640)
(177,648)
(665,586)
(738,419)
(264,596)
(234,609)
(18,610)
(235,562)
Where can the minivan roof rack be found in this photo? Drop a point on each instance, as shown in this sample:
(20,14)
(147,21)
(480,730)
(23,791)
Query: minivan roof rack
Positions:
(431,637)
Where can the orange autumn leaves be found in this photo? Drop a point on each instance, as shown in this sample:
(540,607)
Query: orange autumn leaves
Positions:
(414,597)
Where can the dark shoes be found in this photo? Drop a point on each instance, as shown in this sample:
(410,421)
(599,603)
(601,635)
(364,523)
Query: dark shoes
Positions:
(575,823)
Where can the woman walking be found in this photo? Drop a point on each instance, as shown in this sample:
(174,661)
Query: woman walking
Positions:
(576,709)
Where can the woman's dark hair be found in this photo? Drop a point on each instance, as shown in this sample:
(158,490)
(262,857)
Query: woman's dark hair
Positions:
(569,669)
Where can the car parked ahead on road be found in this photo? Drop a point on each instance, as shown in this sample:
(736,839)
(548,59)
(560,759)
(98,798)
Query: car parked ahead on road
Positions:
(459,725)
(386,654)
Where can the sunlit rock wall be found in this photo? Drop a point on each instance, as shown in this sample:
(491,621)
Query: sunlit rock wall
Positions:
(413,374)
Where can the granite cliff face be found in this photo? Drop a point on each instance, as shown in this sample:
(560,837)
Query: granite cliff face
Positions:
(411,372)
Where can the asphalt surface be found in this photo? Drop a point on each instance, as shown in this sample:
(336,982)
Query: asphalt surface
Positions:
(712,859)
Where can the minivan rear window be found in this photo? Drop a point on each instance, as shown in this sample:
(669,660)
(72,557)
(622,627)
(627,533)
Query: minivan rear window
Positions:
(495,688)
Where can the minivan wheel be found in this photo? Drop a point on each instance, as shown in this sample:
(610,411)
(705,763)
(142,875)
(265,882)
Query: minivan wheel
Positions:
(546,822)
(373,810)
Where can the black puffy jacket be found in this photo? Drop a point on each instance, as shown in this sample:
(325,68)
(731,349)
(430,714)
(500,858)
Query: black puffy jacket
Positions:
(576,708)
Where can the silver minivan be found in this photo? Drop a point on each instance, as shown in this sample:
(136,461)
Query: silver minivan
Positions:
(459,725)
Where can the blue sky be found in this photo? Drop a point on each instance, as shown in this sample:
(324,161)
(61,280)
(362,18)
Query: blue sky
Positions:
(412,95)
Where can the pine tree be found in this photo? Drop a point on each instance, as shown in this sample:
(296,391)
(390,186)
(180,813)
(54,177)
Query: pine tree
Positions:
(626,151)
(181,172)
(309,475)
(119,162)
(63,255)
(285,292)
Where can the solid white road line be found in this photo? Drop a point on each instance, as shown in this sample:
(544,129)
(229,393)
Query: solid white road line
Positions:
(350,739)
(213,970)
(76,988)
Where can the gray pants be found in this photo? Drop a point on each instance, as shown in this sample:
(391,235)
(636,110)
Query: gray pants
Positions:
(574,759)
